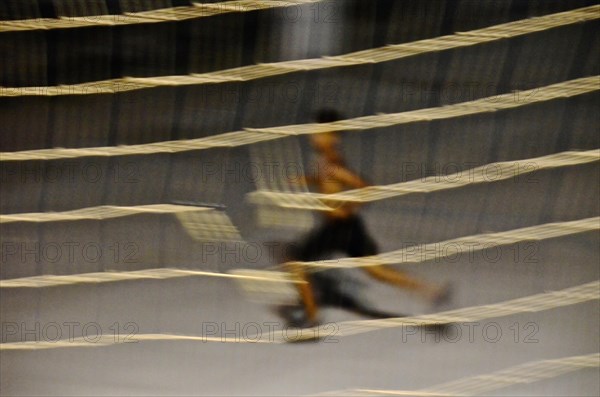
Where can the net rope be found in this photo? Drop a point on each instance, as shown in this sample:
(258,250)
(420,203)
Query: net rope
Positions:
(454,248)
(171,14)
(524,373)
(108,277)
(438,251)
(491,172)
(363,57)
(529,304)
(530,372)
(99,213)
(249,136)
(200,223)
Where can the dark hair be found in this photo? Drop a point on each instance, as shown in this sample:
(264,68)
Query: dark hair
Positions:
(327,115)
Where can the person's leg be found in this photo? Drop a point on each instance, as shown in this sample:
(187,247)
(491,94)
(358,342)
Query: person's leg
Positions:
(305,290)
(363,245)
(358,307)
(318,244)
(342,294)
(400,279)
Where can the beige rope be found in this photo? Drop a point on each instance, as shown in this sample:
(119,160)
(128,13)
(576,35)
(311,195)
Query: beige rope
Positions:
(530,372)
(250,136)
(455,248)
(99,213)
(172,14)
(439,250)
(200,223)
(371,56)
(488,173)
(108,277)
(530,304)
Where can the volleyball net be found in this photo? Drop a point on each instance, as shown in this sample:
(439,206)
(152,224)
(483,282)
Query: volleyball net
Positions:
(538,124)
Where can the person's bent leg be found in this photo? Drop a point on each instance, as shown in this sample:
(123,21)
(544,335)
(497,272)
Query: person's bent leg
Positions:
(318,244)
(359,307)
(305,291)
(363,245)
(400,279)
(354,303)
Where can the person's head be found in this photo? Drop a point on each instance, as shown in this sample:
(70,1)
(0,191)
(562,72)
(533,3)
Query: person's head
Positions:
(326,141)
(327,115)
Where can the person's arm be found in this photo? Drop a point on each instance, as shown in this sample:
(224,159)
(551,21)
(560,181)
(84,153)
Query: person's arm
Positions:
(305,180)
(348,177)
(308,180)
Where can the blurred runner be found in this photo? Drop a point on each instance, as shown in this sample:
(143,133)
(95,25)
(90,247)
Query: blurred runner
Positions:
(341,230)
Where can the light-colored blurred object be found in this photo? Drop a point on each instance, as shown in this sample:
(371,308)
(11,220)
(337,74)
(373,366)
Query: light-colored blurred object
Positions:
(267,286)
(208,225)
(280,168)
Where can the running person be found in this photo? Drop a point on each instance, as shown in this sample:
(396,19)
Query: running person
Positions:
(341,230)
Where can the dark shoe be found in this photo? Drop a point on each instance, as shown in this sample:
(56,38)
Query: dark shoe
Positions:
(295,317)
(442,296)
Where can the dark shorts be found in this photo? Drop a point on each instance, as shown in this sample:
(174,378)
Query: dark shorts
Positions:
(347,236)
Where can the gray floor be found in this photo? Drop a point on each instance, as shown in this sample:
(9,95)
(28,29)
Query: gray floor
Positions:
(384,359)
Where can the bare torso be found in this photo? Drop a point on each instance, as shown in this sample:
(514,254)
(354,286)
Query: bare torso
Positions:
(333,177)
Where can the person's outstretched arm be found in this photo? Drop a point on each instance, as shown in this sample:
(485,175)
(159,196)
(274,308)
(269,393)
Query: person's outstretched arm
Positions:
(347,177)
